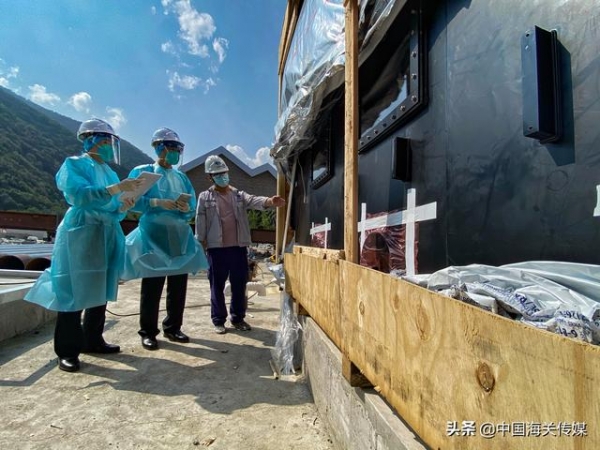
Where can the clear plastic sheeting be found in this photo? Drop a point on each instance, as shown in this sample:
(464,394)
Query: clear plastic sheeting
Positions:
(278,273)
(315,68)
(287,337)
(289,328)
(556,296)
(372,13)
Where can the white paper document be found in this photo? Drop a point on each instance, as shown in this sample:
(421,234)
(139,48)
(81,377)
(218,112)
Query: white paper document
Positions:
(148,180)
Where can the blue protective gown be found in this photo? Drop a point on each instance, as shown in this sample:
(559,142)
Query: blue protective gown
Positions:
(163,244)
(88,250)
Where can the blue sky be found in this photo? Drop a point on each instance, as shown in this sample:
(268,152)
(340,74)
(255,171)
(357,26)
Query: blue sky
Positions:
(205,68)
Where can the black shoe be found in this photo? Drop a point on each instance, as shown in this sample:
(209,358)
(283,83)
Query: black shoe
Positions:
(102,348)
(68,364)
(177,336)
(149,343)
(241,326)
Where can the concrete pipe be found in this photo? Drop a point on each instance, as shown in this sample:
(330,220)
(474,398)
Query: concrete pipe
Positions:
(14,262)
(39,263)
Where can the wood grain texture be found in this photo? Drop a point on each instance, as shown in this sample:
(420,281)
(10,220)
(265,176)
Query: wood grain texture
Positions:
(438,360)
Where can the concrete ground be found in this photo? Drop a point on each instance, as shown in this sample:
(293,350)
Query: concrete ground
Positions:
(218,391)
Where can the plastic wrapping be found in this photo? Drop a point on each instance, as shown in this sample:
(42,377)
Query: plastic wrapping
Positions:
(287,337)
(289,328)
(279,274)
(88,253)
(556,296)
(163,244)
(315,68)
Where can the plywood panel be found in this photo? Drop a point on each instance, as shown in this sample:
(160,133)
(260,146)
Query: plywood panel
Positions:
(321,253)
(314,283)
(437,360)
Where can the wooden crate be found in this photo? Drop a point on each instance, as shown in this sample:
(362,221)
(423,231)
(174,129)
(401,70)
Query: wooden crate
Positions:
(438,361)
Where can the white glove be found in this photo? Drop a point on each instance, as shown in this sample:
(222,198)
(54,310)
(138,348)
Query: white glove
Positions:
(127,204)
(163,203)
(127,185)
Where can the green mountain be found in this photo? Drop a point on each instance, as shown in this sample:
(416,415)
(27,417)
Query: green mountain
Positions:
(34,142)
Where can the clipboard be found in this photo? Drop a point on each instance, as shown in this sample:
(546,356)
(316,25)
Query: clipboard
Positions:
(148,180)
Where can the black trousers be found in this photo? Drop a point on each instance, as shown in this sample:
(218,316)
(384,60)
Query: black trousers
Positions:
(70,337)
(150,300)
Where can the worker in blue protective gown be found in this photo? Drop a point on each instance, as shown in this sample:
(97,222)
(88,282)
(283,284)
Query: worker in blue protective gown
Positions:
(89,247)
(163,247)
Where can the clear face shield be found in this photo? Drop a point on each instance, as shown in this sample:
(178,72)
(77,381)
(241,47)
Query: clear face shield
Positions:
(173,152)
(106,146)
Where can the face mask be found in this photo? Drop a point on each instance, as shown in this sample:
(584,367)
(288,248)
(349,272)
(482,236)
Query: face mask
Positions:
(221,180)
(172,158)
(106,152)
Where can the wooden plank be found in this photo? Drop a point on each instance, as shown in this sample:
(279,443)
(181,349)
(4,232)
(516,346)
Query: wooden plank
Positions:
(351,132)
(437,360)
(353,375)
(322,253)
(299,310)
(280,214)
(290,20)
(314,283)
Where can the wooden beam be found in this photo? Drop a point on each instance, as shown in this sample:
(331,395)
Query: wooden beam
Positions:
(290,20)
(353,375)
(322,253)
(280,213)
(299,310)
(292,12)
(351,133)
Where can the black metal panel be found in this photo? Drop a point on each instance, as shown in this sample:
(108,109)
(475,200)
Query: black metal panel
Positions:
(542,109)
(500,196)
(401,159)
(393,81)
(314,204)
(508,199)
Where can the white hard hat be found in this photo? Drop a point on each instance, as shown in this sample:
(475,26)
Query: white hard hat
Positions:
(214,164)
(93,126)
(165,135)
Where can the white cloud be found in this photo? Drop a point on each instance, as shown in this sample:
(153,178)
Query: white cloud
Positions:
(196,38)
(208,84)
(6,75)
(38,94)
(201,51)
(153,10)
(220,46)
(81,101)
(186,82)
(261,157)
(116,117)
(194,27)
(168,47)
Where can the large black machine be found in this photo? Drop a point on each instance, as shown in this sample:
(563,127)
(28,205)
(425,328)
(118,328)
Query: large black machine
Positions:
(479,132)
